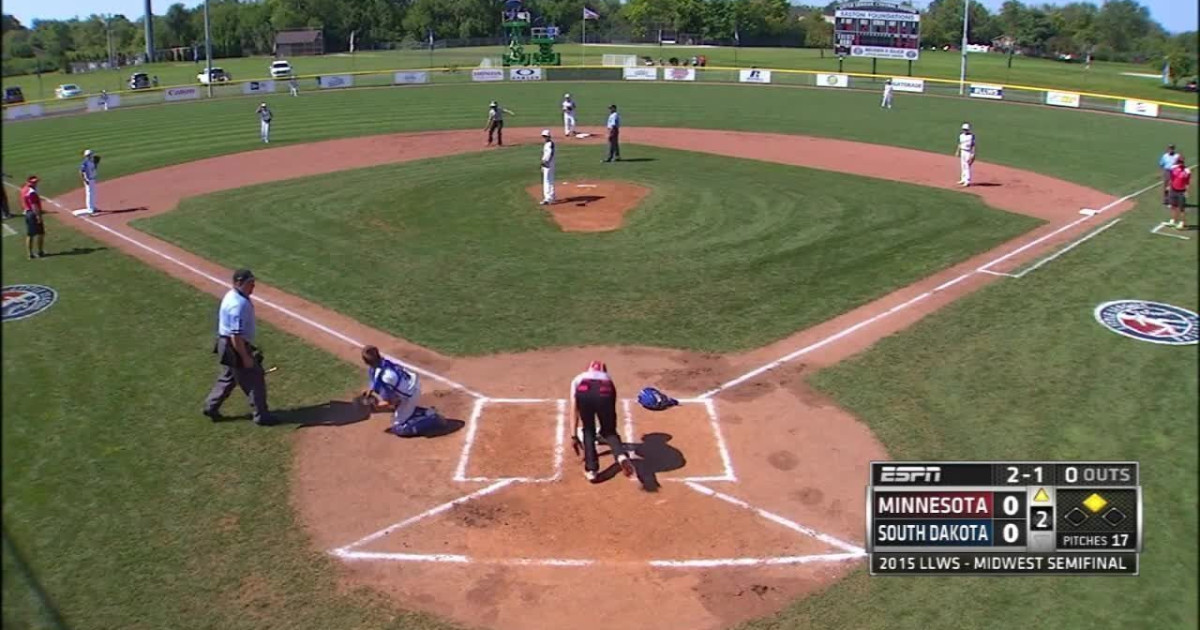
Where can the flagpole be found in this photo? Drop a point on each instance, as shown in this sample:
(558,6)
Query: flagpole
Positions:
(583,44)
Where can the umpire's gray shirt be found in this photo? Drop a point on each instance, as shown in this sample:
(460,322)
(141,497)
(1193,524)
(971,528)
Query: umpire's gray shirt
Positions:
(236,316)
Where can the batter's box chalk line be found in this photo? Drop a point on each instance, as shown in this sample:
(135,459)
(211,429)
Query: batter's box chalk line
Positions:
(846,551)
(726,474)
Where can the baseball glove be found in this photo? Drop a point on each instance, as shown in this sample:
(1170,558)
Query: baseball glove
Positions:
(96,160)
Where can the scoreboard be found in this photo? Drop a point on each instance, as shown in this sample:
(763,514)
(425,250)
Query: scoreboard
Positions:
(1004,518)
(876,28)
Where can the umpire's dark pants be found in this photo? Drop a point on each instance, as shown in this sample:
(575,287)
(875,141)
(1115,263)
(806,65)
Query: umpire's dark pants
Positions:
(252,380)
(595,406)
(614,144)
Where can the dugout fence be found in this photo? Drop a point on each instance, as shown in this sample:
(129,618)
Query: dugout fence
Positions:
(625,68)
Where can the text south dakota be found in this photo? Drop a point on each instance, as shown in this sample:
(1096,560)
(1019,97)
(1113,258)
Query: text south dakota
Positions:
(932,532)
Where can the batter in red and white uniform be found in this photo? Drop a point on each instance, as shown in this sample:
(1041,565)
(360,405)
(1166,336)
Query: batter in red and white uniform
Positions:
(594,397)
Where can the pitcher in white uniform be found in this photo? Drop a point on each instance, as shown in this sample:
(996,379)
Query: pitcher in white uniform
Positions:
(568,109)
(548,150)
(966,154)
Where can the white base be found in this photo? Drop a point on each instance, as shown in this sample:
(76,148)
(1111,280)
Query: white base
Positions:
(82,212)
(1087,212)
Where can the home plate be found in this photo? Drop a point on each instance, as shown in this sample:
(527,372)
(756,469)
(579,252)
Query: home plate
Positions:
(1087,212)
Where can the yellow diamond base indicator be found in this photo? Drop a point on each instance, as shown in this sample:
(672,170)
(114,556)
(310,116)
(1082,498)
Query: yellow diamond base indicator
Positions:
(1042,497)
(1095,503)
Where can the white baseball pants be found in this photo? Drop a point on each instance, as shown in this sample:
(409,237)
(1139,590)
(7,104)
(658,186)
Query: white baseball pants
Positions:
(90,192)
(265,131)
(408,405)
(548,184)
(964,162)
(568,123)
(887,101)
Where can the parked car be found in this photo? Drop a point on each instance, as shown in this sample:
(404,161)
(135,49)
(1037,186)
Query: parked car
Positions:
(281,69)
(139,81)
(218,76)
(67,90)
(13,95)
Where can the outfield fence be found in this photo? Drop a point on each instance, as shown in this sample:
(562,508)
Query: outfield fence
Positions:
(1033,95)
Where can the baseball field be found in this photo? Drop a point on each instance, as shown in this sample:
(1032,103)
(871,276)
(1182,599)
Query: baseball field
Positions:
(1124,79)
(796,266)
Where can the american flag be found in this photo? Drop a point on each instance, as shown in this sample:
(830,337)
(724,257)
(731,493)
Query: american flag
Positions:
(589,14)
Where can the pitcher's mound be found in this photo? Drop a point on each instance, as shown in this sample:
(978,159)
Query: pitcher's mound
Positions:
(591,206)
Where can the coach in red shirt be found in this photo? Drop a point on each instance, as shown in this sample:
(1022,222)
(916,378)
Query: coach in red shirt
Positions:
(1181,177)
(35,226)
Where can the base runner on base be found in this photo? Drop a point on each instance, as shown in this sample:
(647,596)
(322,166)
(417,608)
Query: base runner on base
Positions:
(594,397)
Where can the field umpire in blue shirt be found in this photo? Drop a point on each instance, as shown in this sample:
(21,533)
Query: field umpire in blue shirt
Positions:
(240,360)
(614,134)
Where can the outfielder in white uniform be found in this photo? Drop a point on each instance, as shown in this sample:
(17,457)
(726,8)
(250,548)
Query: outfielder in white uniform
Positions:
(548,151)
(966,154)
(887,95)
(568,108)
(294,86)
(264,127)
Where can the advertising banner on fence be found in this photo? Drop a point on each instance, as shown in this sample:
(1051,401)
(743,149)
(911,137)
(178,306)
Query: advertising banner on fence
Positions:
(640,74)
(833,80)
(181,93)
(1141,108)
(258,87)
(407,78)
(754,76)
(994,92)
(1062,99)
(96,104)
(905,84)
(679,74)
(18,112)
(337,81)
(487,74)
(525,74)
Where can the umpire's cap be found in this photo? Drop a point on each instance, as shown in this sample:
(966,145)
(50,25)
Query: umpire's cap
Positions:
(242,275)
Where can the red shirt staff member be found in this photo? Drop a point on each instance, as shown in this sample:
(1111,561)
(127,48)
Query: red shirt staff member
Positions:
(594,396)
(35,226)
(1181,178)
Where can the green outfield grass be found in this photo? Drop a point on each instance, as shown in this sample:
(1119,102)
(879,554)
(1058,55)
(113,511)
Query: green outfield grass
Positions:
(1111,153)
(131,509)
(1103,77)
(771,250)
(1022,371)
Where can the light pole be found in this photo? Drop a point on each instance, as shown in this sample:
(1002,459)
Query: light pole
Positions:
(207,51)
(962,71)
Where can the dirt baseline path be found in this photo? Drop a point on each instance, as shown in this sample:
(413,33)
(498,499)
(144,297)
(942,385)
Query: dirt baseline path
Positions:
(492,526)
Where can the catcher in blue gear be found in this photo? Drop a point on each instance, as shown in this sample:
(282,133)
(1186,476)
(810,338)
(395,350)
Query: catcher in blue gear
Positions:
(389,385)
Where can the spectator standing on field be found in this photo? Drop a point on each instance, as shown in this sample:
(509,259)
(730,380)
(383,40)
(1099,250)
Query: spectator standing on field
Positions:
(240,360)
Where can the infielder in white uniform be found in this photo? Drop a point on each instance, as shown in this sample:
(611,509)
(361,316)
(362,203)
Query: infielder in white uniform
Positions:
(966,154)
(547,169)
(887,95)
(264,127)
(568,108)
(88,172)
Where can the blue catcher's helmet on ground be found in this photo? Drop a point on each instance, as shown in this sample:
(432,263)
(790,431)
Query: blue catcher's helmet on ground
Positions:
(654,400)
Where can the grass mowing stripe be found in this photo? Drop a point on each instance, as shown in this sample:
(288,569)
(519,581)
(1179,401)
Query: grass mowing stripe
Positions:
(1021,370)
(773,250)
(1101,151)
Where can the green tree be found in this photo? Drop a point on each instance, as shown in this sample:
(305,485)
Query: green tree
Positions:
(817,32)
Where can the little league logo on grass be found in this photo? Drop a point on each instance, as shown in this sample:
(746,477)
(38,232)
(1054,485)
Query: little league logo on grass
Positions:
(1146,321)
(27,300)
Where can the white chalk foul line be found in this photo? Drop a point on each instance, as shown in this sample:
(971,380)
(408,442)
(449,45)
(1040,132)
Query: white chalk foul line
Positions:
(268,303)
(713,422)
(341,551)
(472,428)
(775,518)
(1068,248)
(8,231)
(945,285)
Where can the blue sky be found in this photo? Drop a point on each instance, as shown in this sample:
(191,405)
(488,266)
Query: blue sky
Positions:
(1175,15)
